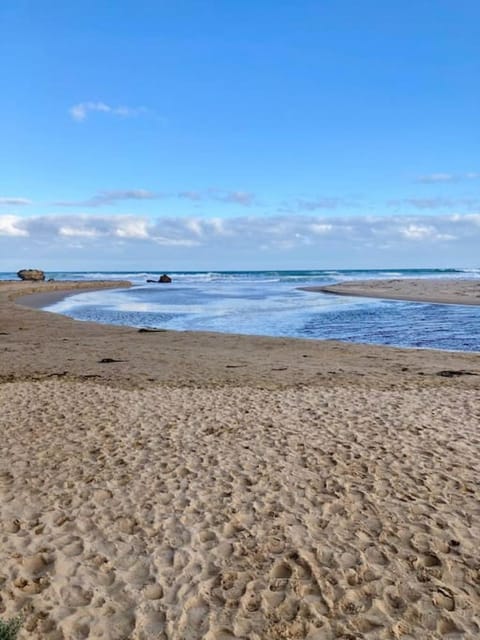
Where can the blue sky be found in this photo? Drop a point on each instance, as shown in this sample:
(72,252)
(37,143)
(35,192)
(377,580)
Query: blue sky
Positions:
(200,135)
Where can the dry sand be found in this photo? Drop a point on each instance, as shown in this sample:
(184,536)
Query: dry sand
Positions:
(208,486)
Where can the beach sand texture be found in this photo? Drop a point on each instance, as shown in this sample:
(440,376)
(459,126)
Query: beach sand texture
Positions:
(232,487)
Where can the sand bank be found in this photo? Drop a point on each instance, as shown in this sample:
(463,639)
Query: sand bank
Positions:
(41,294)
(41,299)
(192,485)
(442,291)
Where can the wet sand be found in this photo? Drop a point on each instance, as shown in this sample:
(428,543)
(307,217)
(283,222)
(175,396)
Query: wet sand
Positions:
(196,485)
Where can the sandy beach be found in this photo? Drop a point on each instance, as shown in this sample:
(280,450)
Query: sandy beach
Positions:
(177,485)
(444,291)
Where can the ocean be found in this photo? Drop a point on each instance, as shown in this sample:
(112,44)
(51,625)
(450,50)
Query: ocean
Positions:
(269,303)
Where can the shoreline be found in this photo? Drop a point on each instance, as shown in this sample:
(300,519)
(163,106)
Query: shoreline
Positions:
(76,348)
(181,484)
(431,291)
(460,292)
(44,299)
(35,295)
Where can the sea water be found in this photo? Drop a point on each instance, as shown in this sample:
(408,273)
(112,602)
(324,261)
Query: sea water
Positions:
(270,303)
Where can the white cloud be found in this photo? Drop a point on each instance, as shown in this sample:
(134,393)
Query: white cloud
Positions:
(218,226)
(110,197)
(195,226)
(320,203)
(249,230)
(114,196)
(323,240)
(304,205)
(473,217)
(321,228)
(79,112)
(434,178)
(132,228)
(429,203)
(12,226)
(175,242)
(196,196)
(14,202)
(244,198)
(82,232)
(436,203)
(438,178)
(417,231)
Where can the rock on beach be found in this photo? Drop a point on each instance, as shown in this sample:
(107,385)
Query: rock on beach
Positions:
(31,274)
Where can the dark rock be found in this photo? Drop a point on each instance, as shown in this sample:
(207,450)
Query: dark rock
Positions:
(152,281)
(164,278)
(448,373)
(31,274)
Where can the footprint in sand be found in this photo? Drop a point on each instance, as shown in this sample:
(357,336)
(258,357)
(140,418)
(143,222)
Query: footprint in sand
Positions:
(444,599)
(282,571)
(6,482)
(75,596)
(194,622)
(233,586)
(393,599)
(448,628)
(354,602)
